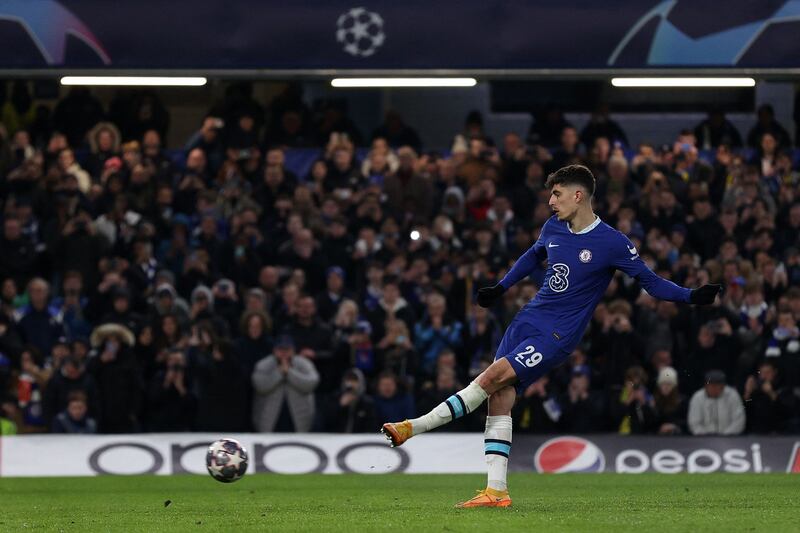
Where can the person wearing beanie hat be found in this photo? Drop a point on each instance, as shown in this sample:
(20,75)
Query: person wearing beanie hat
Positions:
(328,300)
(670,404)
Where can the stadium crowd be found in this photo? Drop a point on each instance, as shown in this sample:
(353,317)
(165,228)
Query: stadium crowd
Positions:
(211,288)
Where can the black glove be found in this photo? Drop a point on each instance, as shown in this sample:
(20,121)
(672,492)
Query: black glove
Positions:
(705,295)
(487,295)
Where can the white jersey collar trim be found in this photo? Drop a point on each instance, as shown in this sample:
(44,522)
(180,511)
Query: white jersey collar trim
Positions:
(588,228)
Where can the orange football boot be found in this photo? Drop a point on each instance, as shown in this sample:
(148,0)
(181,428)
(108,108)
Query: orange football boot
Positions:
(487,498)
(397,432)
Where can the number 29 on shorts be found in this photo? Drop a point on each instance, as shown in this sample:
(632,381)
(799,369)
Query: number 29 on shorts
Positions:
(530,357)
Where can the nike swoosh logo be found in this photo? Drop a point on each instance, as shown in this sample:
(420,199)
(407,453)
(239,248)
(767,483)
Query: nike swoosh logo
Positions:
(632,250)
(551,245)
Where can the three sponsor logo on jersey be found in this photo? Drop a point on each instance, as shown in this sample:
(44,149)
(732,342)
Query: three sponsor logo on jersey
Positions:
(559,279)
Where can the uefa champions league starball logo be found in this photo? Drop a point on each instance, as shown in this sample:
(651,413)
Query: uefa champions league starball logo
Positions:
(48,24)
(360,32)
(672,45)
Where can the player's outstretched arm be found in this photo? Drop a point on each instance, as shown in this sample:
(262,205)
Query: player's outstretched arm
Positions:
(523,267)
(627,259)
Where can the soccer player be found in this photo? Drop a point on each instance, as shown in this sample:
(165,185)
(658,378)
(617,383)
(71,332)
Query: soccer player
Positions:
(582,254)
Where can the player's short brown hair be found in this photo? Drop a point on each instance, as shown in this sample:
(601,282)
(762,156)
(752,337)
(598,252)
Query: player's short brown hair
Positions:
(572,175)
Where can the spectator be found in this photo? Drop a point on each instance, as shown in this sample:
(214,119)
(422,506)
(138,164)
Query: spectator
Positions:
(547,126)
(335,293)
(634,411)
(408,194)
(71,376)
(670,404)
(716,130)
(583,410)
(77,114)
(38,323)
(284,385)
(717,408)
(391,402)
(75,418)
(717,347)
(769,406)
(130,241)
(255,342)
(104,141)
(18,257)
(397,133)
(222,387)
(436,332)
(314,340)
(171,402)
(538,409)
(601,125)
(8,415)
(119,382)
(767,124)
(351,409)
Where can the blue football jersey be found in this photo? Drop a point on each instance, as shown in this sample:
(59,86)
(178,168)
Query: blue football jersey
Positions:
(579,268)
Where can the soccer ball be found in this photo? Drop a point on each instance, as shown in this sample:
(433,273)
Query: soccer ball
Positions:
(226,460)
(360,31)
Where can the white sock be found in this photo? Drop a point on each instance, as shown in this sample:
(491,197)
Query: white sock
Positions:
(463,402)
(497,444)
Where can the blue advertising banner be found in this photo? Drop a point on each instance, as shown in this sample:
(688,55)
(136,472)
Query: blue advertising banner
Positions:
(372,35)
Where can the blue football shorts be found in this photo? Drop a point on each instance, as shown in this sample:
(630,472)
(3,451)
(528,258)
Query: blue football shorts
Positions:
(531,353)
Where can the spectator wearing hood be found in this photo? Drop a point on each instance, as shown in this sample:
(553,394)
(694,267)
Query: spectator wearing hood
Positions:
(121,311)
(166,301)
(203,310)
(351,409)
(284,385)
(104,143)
(118,378)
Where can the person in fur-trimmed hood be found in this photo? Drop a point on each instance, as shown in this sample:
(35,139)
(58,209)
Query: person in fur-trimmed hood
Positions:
(118,378)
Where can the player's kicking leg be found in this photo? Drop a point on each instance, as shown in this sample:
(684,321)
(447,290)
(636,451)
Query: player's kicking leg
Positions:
(500,374)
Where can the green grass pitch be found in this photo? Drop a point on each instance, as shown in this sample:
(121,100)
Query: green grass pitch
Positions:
(402,503)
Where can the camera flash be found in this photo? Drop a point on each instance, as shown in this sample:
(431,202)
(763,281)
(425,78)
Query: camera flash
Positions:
(414,235)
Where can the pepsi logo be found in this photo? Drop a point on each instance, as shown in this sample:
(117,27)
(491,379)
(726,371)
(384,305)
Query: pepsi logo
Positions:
(568,454)
(794,460)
